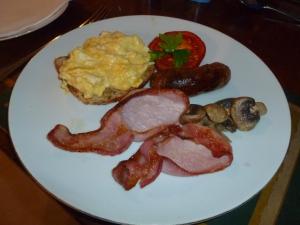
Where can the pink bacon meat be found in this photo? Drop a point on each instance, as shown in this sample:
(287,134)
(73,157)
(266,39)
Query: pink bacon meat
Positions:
(195,150)
(183,151)
(135,118)
(143,167)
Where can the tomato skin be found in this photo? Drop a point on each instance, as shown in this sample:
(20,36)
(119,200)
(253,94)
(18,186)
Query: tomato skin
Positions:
(191,42)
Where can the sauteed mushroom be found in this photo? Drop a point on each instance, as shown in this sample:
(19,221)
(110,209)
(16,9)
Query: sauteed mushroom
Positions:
(226,104)
(229,114)
(194,114)
(261,108)
(227,125)
(245,113)
(216,113)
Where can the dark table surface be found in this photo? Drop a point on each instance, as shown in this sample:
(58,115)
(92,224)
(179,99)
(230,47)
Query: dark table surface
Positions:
(271,37)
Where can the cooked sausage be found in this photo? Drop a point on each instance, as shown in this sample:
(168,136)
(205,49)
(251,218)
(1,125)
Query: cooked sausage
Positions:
(193,81)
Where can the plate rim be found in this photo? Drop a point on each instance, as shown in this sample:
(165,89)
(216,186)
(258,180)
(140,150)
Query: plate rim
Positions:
(165,17)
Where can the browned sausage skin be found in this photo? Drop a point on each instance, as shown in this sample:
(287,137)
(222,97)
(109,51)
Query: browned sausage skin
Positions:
(193,81)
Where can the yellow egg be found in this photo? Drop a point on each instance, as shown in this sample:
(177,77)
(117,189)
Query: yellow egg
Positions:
(113,59)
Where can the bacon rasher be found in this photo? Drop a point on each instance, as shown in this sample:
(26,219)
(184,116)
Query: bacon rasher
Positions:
(186,150)
(135,118)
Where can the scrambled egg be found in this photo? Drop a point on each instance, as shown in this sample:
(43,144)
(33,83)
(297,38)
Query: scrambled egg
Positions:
(112,59)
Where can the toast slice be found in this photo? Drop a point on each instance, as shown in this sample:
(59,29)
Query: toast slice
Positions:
(109,95)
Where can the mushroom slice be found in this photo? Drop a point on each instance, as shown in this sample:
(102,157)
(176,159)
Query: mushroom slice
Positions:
(194,114)
(205,121)
(244,113)
(216,113)
(226,104)
(228,124)
(261,108)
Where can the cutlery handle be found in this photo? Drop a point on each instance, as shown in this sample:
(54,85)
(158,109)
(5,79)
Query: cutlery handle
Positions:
(284,13)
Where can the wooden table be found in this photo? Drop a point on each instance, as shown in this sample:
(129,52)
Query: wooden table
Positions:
(272,38)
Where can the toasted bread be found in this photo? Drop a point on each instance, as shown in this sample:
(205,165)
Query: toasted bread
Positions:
(109,95)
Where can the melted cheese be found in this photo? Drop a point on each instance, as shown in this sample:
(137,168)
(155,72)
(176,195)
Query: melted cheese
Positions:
(112,59)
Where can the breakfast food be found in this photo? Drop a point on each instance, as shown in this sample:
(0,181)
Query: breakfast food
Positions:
(193,81)
(179,138)
(105,68)
(177,56)
(143,167)
(151,115)
(135,118)
(230,114)
(179,151)
(177,49)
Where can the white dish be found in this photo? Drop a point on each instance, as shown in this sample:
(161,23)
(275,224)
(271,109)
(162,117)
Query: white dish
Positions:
(18,18)
(84,181)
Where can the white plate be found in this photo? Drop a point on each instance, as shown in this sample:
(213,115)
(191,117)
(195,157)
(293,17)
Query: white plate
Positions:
(18,18)
(84,181)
